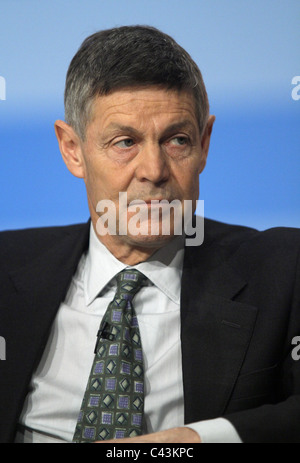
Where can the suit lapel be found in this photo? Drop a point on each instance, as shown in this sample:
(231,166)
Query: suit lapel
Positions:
(40,287)
(215,330)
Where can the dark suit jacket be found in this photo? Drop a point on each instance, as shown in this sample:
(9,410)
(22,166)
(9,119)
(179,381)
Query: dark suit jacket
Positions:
(240,310)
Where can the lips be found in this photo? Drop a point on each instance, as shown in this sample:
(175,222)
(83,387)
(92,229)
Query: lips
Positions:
(147,201)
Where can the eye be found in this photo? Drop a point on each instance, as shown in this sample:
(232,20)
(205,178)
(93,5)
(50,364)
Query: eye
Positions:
(179,141)
(126,143)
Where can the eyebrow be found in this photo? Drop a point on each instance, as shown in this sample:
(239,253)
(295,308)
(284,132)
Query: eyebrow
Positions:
(173,128)
(115,127)
(182,125)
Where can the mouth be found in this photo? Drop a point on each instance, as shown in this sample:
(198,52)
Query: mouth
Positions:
(150,201)
(162,206)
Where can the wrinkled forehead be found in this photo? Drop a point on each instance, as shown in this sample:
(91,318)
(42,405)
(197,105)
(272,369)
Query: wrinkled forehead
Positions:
(143,103)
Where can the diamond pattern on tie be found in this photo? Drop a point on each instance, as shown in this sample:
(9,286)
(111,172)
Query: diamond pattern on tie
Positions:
(113,403)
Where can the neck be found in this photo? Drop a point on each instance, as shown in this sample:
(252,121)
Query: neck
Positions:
(131,251)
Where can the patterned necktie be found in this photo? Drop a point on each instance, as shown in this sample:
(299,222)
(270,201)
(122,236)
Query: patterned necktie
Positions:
(113,403)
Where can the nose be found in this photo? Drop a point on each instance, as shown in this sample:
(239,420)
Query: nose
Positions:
(152,165)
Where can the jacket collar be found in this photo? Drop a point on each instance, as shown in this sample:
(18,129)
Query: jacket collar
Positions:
(215,328)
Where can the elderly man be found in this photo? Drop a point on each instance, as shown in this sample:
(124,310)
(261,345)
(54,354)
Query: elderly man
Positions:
(115,333)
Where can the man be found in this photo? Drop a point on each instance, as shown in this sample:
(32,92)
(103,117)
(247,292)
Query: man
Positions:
(216,321)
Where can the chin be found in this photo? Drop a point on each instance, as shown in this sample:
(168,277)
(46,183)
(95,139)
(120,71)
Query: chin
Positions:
(149,241)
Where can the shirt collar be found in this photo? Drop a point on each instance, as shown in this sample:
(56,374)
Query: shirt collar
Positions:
(163,268)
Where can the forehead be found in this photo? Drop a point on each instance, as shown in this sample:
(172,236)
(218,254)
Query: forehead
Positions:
(143,105)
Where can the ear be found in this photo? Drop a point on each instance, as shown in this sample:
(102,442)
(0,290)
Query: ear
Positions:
(205,142)
(70,148)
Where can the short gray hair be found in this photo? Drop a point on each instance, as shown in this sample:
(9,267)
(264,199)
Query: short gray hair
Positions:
(128,56)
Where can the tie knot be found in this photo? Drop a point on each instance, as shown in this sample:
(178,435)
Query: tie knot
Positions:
(129,282)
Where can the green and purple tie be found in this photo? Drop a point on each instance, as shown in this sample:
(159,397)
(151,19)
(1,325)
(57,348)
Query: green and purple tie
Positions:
(113,404)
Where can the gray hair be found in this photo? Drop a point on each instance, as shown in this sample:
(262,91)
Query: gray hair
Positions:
(124,57)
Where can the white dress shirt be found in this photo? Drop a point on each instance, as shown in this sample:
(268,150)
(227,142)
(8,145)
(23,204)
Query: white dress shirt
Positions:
(51,408)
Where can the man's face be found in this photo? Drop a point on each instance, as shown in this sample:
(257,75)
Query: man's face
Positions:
(145,142)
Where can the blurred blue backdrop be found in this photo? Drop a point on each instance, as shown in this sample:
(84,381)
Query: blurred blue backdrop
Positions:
(248,52)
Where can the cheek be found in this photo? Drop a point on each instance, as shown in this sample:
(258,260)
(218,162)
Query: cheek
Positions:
(188,180)
(94,181)
(104,181)
(194,186)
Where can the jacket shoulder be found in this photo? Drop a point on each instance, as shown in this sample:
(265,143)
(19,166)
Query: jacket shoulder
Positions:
(250,247)
(274,237)
(19,246)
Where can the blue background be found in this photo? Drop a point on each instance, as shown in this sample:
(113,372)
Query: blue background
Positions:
(248,52)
